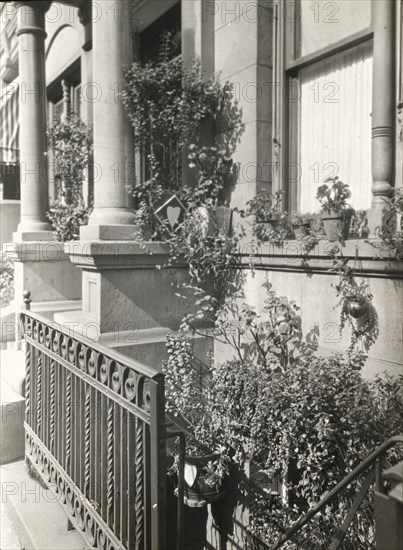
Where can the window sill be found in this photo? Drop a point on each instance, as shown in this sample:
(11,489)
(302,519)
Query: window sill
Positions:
(368,255)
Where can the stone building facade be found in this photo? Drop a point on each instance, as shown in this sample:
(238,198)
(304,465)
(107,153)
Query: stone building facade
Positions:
(305,74)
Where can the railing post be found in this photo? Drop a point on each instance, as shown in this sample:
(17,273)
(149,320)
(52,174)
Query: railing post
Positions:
(158,464)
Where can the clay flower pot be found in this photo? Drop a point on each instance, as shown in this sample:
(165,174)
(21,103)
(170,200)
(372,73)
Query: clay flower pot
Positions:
(300,231)
(337,224)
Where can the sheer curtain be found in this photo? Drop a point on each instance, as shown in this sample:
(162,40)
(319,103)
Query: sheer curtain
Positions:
(335,125)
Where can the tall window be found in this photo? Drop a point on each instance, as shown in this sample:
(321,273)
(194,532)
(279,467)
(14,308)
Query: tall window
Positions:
(325,50)
(162,39)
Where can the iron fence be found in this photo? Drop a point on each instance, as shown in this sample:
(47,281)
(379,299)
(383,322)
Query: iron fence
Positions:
(96,433)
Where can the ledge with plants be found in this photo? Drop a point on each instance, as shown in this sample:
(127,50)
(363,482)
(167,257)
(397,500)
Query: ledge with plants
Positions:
(70,143)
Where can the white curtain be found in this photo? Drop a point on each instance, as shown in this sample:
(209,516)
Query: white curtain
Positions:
(335,125)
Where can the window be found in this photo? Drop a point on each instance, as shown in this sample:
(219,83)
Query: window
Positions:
(151,38)
(325,51)
(151,41)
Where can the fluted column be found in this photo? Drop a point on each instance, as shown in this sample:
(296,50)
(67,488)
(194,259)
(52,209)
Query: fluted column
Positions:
(34,180)
(113,144)
(383,101)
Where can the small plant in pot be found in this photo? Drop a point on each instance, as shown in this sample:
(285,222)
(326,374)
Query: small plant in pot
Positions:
(336,214)
(190,404)
(357,310)
(301,224)
(270,222)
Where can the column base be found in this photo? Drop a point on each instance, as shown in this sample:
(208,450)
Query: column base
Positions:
(44,269)
(117,232)
(112,216)
(376,219)
(125,286)
(31,236)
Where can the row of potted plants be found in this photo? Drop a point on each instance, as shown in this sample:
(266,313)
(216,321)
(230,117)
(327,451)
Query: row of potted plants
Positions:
(271,222)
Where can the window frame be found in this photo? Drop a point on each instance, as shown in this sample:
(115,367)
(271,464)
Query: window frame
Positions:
(287,125)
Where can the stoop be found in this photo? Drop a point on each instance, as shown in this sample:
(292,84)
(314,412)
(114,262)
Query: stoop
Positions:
(37,518)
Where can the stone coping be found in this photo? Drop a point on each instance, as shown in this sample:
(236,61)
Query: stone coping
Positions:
(118,254)
(35,251)
(290,257)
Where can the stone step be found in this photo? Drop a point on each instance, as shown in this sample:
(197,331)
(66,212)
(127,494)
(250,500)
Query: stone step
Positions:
(12,438)
(37,518)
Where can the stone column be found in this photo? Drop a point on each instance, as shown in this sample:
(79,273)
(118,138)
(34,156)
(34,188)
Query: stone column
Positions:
(34,180)
(86,106)
(113,143)
(383,104)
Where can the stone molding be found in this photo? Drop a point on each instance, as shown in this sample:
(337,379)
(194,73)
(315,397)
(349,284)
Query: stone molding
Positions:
(289,258)
(118,255)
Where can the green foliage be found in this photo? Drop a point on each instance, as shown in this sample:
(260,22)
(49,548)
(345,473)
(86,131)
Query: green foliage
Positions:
(270,223)
(190,400)
(272,339)
(334,198)
(391,230)
(6,282)
(301,417)
(356,296)
(66,220)
(301,219)
(71,145)
(322,419)
(166,105)
(359,224)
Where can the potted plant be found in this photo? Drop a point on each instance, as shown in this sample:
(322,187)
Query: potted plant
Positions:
(190,403)
(359,224)
(355,301)
(336,214)
(270,223)
(301,224)
(167,104)
(214,169)
(390,232)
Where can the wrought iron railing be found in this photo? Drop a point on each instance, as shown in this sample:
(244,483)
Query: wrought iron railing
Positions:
(95,432)
(345,517)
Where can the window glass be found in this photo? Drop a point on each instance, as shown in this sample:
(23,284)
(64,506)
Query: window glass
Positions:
(335,125)
(324,22)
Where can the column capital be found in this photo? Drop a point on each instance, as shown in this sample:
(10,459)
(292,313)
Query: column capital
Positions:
(85,18)
(31,17)
(37,5)
(85,12)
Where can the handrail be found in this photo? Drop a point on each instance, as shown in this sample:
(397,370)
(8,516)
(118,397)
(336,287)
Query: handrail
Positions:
(365,464)
(141,368)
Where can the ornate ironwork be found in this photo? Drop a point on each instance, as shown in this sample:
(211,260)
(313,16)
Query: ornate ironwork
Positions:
(93,388)
(52,405)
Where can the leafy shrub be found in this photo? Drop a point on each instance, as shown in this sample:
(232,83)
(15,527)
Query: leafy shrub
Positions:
(71,144)
(318,421)
(67,219)
(6,282)
(190,400)
(391,230)
(166,105)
